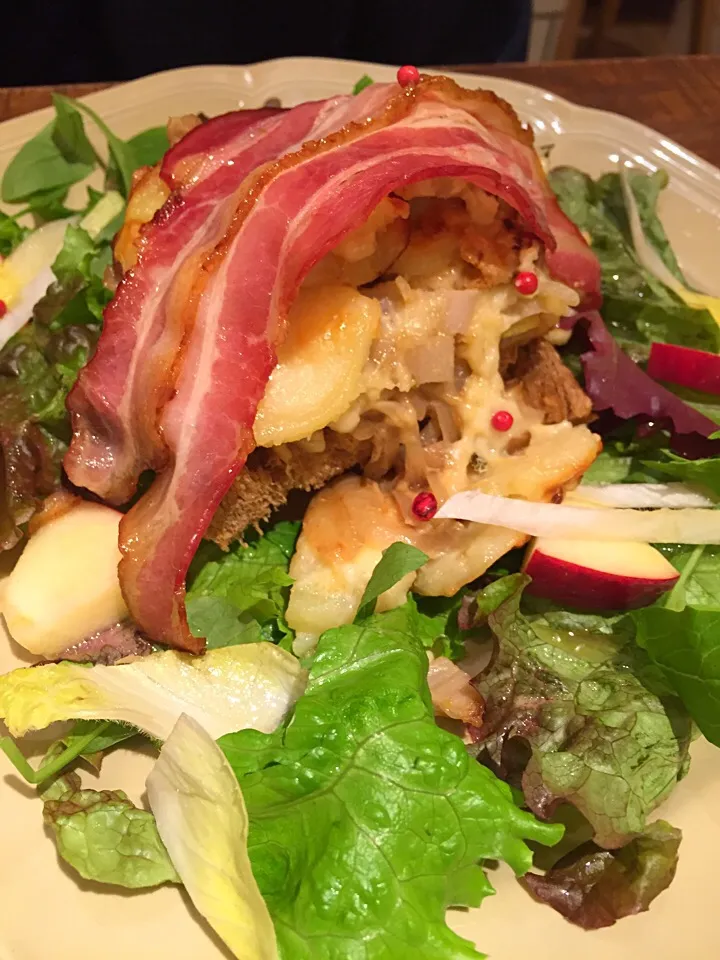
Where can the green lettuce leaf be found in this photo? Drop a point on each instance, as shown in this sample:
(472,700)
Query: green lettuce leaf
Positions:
(366,819)
(240,596)
(637,307)
(598,887)
(104,836)
(202,819)
(601,730)
(38,366)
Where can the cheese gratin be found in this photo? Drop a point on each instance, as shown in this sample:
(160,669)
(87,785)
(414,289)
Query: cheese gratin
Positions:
(399,350)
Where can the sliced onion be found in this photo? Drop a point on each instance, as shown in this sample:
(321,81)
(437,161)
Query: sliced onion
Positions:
(433,361)
(675,496)
(460,308)
(453,695)
(580,523)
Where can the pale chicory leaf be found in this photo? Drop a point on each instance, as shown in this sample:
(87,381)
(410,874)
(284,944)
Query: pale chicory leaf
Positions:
(202,820)
(253,685)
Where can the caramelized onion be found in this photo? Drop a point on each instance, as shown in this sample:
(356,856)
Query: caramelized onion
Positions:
(460,308)
(452,692)
(432,361)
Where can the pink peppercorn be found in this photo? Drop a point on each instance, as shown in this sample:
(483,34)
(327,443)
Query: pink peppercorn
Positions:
(425,505)
(502,420)
(408,75)
(526,283)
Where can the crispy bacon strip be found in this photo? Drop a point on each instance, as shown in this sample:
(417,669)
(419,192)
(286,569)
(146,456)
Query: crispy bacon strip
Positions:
(286,217)
(116,403)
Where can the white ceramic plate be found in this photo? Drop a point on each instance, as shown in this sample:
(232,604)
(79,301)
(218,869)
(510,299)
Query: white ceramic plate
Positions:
(45,912)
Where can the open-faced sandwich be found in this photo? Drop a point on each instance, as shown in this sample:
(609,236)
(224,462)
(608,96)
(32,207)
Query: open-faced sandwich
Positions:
(335,388)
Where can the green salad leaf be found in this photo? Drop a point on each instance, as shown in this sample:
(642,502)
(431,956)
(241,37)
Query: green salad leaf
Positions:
(364,81)
(601,730)
(148,146)
(598,887)
(40,166)
(104,836)
(685,645)
(396,562)
(240,596)
(637,307)
(105,736)
(699,567)
(38,366)
(703,473)
(366,819)
(12,234)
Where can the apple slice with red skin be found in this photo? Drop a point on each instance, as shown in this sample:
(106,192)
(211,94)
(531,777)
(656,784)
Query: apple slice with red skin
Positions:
(598,574)
(685,366)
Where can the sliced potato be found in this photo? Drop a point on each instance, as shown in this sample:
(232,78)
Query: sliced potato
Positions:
(320,363)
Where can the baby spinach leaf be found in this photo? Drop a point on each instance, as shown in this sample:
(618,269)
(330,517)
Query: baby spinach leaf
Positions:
(40,166)
(685,645)
(703,473)
(69,133)
(396,562)
(120,152)
(700,575)
(149,147)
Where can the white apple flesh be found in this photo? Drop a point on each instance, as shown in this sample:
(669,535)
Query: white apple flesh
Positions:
(598,574)
(65,585)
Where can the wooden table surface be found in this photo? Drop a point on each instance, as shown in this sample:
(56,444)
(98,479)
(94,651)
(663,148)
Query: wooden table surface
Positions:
(679,96)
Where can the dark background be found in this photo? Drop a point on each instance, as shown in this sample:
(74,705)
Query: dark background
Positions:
(65,42)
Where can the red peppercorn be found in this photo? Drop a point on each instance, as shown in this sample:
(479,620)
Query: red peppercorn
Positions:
(3,309)
(526,283)
(425,505)
(502,420)
(408,75)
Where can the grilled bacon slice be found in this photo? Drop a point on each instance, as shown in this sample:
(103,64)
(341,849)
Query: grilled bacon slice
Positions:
(189,341)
